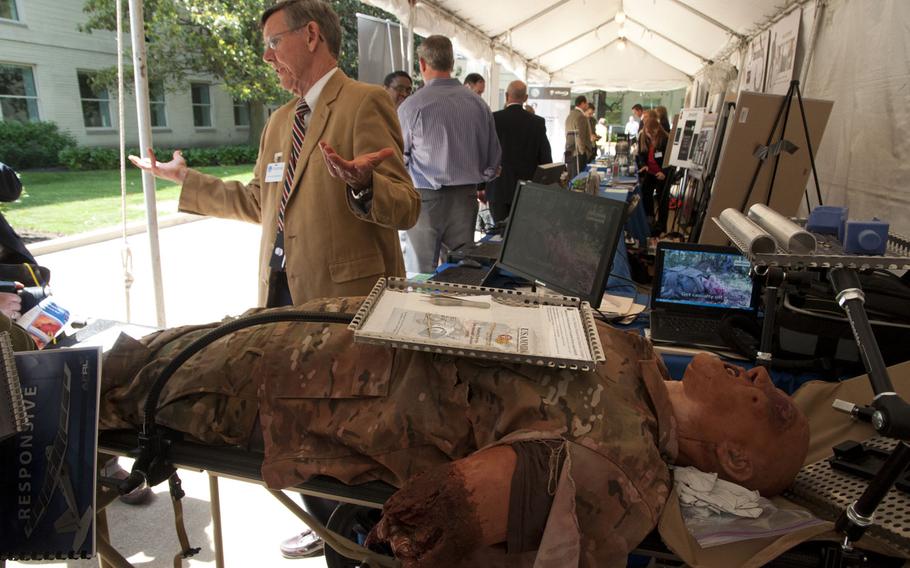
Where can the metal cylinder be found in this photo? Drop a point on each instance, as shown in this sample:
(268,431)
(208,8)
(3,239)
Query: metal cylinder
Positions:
(743,229)
(789,236)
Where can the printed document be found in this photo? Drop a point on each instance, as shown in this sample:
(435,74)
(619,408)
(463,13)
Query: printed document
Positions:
(535,330)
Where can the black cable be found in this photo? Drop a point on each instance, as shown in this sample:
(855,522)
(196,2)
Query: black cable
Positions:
(603,316)
(151,465)
(151,401)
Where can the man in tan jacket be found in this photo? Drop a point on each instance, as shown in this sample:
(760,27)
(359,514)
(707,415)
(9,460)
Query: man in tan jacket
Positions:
(329,225)
(579,146)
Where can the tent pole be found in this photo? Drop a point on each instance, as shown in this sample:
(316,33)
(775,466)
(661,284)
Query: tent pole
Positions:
(702,58)
(140,73)
(709,19)
(492,91)
(411,38)
(576,38)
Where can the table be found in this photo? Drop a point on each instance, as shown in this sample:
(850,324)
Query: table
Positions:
(618,188)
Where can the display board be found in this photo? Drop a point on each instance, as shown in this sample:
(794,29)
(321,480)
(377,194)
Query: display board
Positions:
(751,124)
(379,49)
(752,76)
(704,142)
(685,139)
(782,54)
(553,105)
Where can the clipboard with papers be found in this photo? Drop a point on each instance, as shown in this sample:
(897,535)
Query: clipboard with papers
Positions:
(481,322)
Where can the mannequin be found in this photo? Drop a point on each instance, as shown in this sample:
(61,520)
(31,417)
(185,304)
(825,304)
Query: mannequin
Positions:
(728,420)
(571,467)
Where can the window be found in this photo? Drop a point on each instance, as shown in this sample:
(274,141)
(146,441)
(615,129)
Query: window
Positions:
(96,103)
(241,114)
(156,104)
(18,98)
(202,105)
(8,10)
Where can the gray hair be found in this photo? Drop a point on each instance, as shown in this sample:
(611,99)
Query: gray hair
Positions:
(437,51)
(298,13)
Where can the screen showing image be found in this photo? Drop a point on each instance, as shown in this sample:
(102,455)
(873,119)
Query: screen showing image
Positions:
(563,239)
(700,278)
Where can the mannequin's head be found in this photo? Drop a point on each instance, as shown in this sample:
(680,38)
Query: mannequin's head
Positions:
(738,424)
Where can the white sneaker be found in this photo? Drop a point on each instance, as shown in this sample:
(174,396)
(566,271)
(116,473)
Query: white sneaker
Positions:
(303,545)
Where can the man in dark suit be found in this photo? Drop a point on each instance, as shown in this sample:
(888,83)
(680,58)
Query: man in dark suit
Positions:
(523,138)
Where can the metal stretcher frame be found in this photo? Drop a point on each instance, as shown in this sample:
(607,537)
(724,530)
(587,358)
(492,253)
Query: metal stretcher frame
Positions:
(233,463)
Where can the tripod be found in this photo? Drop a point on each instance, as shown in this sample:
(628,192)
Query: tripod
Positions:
(774,150)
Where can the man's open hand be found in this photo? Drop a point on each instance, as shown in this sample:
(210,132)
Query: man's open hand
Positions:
(175,170)
(356,173)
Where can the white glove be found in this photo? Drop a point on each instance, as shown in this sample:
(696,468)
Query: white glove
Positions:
(704,490)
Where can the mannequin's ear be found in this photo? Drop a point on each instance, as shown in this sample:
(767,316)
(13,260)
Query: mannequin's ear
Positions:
(735,462)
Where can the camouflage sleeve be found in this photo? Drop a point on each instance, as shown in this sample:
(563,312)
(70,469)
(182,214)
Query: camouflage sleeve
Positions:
(19,338)
(601,511)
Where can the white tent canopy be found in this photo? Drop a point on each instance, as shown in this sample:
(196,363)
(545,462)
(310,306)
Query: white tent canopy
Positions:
(577,42)
(854,52)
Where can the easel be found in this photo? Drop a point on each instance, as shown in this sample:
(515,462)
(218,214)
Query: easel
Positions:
(783,145)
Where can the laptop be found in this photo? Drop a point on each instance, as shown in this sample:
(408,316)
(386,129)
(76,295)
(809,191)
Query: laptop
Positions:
(549,174)
(485,252)
(466,272)
(562,241)
(695,287)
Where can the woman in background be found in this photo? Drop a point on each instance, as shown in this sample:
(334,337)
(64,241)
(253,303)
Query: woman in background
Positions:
(652,143)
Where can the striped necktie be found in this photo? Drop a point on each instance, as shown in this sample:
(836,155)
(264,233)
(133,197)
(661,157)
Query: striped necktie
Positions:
(297,134)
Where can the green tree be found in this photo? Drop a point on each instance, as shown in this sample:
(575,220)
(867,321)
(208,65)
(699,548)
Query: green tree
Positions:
(221,38)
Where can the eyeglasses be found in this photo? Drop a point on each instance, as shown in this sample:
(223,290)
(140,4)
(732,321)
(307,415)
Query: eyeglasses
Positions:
(273,41)
(403,89)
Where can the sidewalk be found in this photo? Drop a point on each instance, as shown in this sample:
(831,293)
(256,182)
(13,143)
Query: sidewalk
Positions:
(209,269)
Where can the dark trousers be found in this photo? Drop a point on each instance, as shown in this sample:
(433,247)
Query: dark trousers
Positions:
(575,163)
(280,295)
(649,184)
(663,201)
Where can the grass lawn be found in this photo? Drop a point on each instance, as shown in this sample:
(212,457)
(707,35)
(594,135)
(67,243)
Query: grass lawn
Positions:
(65,203)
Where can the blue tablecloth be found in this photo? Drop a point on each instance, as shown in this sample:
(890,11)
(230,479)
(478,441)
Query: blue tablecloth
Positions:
(616,188)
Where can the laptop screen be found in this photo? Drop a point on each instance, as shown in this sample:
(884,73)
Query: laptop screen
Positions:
(564,240)
(705,278)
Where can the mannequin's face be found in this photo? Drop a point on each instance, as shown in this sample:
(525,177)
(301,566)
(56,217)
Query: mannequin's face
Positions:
(737,423)
(728,401)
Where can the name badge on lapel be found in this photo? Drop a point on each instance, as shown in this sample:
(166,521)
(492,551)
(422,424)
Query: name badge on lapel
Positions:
(274,172)
(658,155)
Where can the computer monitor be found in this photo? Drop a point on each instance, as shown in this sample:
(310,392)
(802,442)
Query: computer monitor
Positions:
(549,174)
(562,240)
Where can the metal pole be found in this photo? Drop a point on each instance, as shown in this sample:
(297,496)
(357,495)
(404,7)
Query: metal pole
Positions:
(140,72)
(492,92)
(410,38)
(215,497)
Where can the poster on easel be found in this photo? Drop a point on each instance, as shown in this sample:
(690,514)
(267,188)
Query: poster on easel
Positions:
(750,127)
(553,105)
(752,76)
(782,53)
(700,154)
(685,141)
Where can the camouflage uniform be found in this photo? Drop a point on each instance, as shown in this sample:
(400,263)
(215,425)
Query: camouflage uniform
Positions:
(358,413)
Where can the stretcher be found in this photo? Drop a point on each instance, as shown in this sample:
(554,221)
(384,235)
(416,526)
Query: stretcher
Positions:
(828,428)
(244,465)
